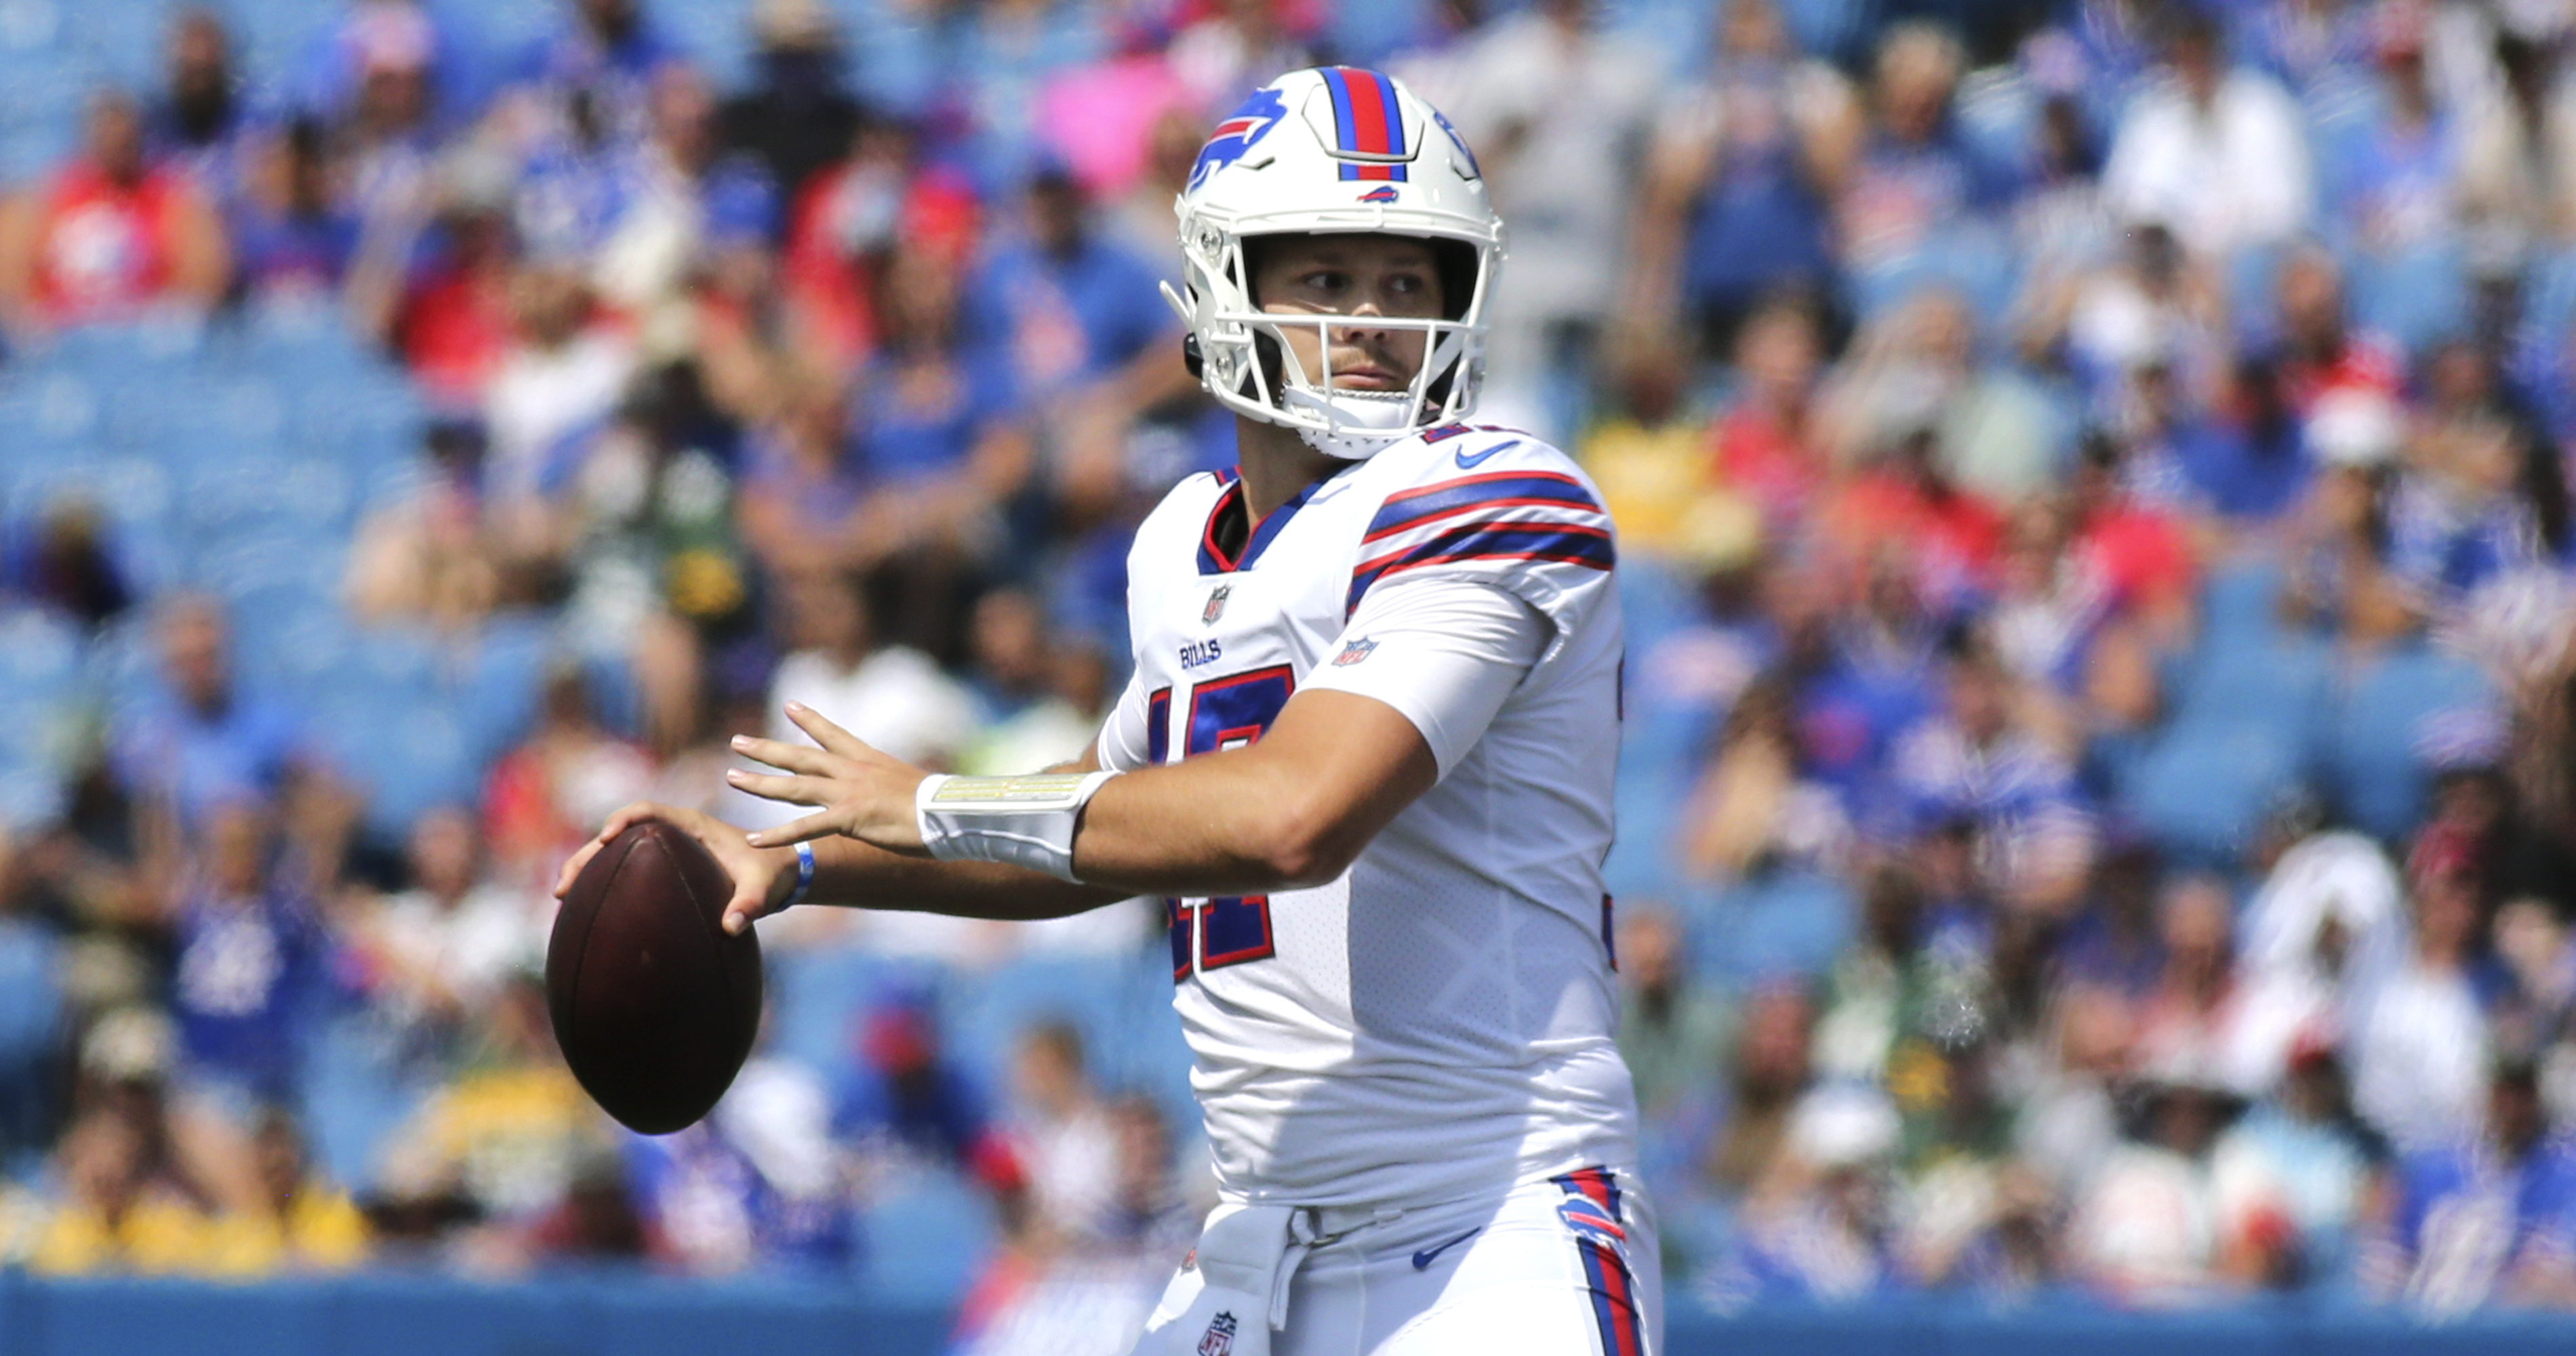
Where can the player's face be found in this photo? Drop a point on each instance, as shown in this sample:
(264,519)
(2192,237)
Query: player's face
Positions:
(1357,276)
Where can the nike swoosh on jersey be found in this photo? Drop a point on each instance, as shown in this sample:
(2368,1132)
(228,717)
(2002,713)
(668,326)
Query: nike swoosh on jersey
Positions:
(1422,1260)
(1468,463)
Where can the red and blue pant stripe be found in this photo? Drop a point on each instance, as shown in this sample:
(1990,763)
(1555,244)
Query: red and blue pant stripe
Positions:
(1605,1269)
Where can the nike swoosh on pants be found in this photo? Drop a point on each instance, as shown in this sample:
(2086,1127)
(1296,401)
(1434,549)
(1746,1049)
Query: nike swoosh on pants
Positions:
(1422,1259)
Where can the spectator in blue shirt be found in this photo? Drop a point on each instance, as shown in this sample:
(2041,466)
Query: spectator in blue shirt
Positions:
(2494,1219)
(249,968)
(201,117)
(1734,209)
(250,953)
(1980,761)
(935,431)
(292,241)
(1911,174)
(374,38)
(2395,184)
(906,1097)
(1074,308)
(199,740)
(609,50)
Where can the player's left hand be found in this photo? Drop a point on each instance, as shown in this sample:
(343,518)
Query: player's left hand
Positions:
(862,793)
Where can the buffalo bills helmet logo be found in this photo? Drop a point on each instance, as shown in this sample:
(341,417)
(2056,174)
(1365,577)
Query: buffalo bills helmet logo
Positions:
(1591,1219)
(1236,135)
(1219,1338)
(1381,193)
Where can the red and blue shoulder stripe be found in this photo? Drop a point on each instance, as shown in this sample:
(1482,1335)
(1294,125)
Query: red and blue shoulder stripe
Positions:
(1542,516)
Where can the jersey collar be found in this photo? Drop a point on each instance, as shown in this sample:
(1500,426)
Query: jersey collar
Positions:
(1212,560)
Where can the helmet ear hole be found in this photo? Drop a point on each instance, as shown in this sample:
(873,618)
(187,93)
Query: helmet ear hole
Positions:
(1457,264)
(1191,358)
(1274,366)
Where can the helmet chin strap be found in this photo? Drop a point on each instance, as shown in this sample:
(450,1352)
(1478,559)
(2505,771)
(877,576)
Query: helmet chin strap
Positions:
(1359,424)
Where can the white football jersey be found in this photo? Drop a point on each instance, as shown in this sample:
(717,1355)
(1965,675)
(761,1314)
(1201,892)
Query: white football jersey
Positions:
(1438,1021)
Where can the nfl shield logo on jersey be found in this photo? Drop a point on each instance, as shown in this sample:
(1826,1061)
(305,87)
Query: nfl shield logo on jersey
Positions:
(1220,1336)
(1216,604)
(1356,651)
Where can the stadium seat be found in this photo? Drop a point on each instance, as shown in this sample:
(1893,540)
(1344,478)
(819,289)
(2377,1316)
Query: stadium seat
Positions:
(2280,683)
(409,756)
(30,1027)
(1787,923)
(2418,297)
(926,1238)
(2201,789)
(499,672)
(986,1018)
(1152,1056)
(2241,601)
(2375,767)
(355,1096)
(40,655)
(30,996)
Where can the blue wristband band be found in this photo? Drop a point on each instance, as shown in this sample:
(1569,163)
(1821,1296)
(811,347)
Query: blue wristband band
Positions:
(804,875)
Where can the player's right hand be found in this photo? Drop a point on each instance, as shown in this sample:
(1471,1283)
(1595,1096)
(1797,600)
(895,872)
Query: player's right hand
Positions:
(762,877)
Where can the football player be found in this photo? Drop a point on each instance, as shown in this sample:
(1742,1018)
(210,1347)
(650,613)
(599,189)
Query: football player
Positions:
(1367,755)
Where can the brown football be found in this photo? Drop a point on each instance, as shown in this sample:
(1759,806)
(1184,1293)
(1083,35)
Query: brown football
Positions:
(654,1006)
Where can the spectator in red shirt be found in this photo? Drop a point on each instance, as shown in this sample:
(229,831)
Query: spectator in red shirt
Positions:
(110,236)
(453,320)
(2320,351)
(1767,448)
(2140,554)
(1905,503)
(850,218)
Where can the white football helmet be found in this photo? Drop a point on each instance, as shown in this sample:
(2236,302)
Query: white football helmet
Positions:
(1334,150)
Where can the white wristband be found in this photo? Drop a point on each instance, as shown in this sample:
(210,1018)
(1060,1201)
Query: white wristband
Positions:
(1020,821)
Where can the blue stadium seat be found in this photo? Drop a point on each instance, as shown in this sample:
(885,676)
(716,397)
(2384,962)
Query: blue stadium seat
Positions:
(40,655)
(290,642)
(32,795)
(30,1025)
(2372,763)
(2280,683)
(409,756)
(249,411)
(2418,297)
(2549,296)
(926,1239)
(355,1096)
(64,405)
(246,558)
(499,672)
(2241,601)
(353,422)
(986,1016)
(1151,1056)
(1790,923)
(2200,789)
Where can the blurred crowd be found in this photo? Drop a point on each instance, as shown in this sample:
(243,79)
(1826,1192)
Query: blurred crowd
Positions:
(2092,478)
